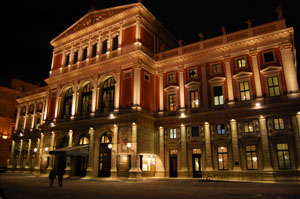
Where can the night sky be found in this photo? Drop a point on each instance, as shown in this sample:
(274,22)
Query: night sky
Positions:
(29,26)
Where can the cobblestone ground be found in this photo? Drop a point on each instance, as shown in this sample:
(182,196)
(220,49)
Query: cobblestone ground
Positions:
(30,187)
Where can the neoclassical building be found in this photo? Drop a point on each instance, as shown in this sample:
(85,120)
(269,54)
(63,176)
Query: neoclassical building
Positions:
(124,100)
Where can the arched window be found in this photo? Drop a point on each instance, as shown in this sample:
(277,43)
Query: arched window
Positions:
(86,99)
(84,140)
(108,94)
(67,103)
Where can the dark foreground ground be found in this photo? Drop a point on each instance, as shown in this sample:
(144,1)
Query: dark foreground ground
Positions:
(29,187)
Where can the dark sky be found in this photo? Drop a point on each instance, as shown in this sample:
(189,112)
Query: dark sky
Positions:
(29,26)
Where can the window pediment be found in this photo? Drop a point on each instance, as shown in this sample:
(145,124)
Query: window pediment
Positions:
(242,75)
(216,80)
(171,88)
(192,84)
(271,69)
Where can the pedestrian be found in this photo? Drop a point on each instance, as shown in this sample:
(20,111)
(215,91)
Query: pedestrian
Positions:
(60,177)
(52,176)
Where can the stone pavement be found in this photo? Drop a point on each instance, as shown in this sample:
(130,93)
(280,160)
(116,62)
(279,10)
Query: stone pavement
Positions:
(32,187)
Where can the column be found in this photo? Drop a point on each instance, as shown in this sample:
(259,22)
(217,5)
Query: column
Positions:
(204,88)
(37,155)
(18,118)
(26,117)
(90,168)
(256,75)
(12,152)
(208,156)
(181,88)
(94,96)
(138,28)
(40,149)
(135,170)
(68,166)
(296,123)
(117,90)
(161,170)
(114,150)
(289,68)
(137,86)
(74,102)
(51,161)
(229,80)
(235,146)
(57,108)
(161,91)
(267,165)
(183,170)
(20,154)
(28,154)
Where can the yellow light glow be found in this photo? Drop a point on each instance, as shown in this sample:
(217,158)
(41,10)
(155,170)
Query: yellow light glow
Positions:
(4,137)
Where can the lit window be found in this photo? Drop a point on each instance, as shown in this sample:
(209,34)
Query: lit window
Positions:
(215,68)
(218,95)
(221,129)
(222,158)
(84,140)
(194,99)
(248,127)
(251,157)
(244,91)
(279,123)
(283,156)
(172,102)
(173,134)
(241,63)
(86,99)
(147,164)
(192,73)
(171,78)
(273,86)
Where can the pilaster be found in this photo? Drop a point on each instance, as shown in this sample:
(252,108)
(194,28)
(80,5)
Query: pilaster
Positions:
(235,146)
(208,155)
(267,165)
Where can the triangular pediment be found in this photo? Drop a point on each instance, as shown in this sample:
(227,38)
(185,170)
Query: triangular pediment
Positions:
(93,17)
(171,88)
(242,75)
(192,84)
(271,69)
(216,80)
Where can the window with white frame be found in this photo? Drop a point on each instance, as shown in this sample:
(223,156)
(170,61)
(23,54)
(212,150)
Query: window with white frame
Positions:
(172,134)
(221,130)
(172,102)
(218,95)
(248,127)
(278,123)
(273,86)
(194,99)
(216,68)
(241,63)
(244,88)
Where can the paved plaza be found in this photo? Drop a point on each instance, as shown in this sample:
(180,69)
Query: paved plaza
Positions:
(31,187)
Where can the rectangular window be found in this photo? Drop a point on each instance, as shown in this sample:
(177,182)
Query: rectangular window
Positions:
(241,63)
(115,43)
(38,122)
(216,68)
(67,60)
(171,78)
(195,131)
(94,50)
(218,95)
(269,57)
(192,73)
(273,86)
(194,99)
(248,127)
(244,91)
(75,59)
(221,129)
(251,157)
(84,53)
(104,47)
(222,158)
(279,123)
(172,102)
(283,156)
(173,134)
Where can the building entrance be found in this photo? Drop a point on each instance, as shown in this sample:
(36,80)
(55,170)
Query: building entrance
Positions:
(173,163)
(104,155)
(197,166)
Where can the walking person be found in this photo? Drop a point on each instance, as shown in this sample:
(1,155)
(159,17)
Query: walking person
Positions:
(52,176)
(60,177)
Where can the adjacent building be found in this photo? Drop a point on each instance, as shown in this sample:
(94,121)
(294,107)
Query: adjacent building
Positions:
(124,100)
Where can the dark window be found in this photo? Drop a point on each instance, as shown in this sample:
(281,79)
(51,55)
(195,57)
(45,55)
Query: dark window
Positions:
(221,129)
(75,60)
(84,54)
(195,131)
(94,50)
(269,57)
(108,95)
(67,59)
(104,47)
(218,96)
(115,43)
(86,99)
(67,102)
(192,73)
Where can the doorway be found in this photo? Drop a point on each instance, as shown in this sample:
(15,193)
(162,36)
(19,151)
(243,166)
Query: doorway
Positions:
(173,163)
(104,155)
(197,166)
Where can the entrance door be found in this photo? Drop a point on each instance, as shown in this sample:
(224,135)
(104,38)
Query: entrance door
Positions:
(104,156)
(197,165)
(173,165)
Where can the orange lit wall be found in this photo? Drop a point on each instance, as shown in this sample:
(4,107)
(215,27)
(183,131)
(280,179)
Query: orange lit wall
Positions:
(126,90)
(147,91)
(57,60)
(128,36)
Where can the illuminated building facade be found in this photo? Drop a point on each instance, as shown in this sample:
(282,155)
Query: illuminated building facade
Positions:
(123,100)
